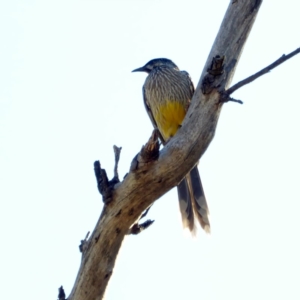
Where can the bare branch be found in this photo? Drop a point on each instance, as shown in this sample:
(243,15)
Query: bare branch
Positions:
(148,181)
(264,71)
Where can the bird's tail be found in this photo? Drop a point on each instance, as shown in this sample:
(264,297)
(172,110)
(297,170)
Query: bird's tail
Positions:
(192,202)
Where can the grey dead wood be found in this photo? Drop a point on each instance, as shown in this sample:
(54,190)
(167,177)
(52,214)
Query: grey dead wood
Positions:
(143,186)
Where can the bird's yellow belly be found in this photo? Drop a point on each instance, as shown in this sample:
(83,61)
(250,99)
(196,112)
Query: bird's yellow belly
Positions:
(169,117)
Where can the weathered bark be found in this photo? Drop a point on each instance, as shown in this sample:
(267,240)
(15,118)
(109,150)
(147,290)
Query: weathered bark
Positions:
(143,186)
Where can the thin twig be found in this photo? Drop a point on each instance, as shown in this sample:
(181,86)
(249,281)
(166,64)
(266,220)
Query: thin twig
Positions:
(145,213)
(251,78)
(138,228)
(117,151)
(235,100)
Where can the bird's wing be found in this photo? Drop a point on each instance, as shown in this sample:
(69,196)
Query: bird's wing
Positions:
(148,109)
(191,84)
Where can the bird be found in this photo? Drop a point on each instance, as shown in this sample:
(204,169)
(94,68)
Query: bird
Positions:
(167,93)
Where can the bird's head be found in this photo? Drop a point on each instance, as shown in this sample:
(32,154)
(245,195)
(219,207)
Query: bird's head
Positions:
(154,63)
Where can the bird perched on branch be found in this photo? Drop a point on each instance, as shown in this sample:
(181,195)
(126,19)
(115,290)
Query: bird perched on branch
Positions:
(167,93)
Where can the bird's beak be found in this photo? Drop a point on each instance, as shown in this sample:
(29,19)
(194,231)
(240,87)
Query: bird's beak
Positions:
(142,69)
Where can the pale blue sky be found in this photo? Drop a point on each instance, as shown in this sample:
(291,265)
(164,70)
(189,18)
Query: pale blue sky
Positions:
(68,95)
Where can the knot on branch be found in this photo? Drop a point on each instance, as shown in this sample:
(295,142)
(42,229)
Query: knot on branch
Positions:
(84,243)
(216,69)
(61,293)
(105,186)
(148,154)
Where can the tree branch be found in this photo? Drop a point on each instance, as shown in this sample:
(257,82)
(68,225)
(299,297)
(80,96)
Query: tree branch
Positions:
(147,182)
(264,71)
